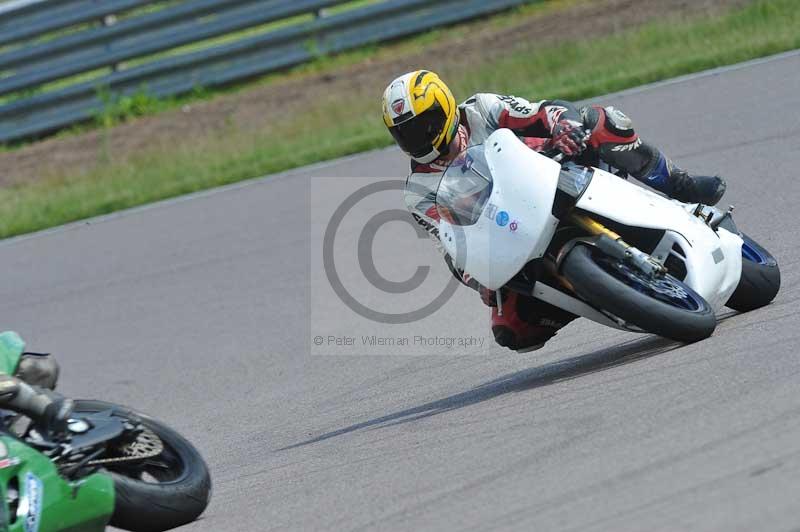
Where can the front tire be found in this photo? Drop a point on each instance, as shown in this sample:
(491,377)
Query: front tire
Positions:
(664,306)
(760,281)
(161,493)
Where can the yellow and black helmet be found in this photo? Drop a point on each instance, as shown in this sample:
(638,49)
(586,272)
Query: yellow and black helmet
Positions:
(421,114)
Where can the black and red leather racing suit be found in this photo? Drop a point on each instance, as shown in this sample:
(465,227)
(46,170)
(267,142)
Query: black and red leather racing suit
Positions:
(527,323)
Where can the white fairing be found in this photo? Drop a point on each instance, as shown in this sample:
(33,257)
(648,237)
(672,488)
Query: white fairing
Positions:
(713,258)
(516,224)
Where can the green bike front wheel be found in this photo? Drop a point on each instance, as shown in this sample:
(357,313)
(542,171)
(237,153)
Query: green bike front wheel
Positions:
(158,492)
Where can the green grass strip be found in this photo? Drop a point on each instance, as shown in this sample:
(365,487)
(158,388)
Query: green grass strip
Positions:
(653,52)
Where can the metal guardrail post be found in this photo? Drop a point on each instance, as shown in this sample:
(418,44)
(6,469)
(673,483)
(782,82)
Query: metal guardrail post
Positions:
(106,21)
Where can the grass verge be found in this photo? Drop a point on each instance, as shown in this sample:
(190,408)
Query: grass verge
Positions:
(653,52)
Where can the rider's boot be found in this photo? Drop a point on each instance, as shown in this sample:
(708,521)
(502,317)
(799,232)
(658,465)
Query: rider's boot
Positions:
(526,324)
(677,183)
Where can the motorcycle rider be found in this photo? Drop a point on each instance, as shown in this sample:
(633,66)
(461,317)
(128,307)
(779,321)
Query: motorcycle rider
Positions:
(30,390)
(422,115)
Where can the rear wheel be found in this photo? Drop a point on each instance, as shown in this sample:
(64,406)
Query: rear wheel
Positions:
(760,281)
(160,492)
(662,305)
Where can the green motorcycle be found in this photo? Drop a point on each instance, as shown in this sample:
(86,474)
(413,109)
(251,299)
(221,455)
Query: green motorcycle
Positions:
(114,466)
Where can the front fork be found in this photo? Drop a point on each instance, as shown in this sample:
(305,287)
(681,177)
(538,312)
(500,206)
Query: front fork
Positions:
(612,245)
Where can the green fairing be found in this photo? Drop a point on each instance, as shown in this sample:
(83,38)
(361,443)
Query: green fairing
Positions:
(82,506)
(11,349)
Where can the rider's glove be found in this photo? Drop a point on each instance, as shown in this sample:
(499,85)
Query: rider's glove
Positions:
(56,416)
(537,144)
(569,137)
(488,297)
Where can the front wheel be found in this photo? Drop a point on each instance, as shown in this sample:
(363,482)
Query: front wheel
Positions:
(760,281)
(663,305)
(160,492)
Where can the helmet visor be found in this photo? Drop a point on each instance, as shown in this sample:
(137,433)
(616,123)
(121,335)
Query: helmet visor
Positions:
(416,136)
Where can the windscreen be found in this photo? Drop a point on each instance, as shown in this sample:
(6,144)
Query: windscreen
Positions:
(574,179)
(464,188)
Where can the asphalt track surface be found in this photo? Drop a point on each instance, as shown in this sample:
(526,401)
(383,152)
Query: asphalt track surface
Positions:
(199,312)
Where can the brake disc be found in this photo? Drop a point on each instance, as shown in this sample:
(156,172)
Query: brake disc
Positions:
(669,289)
(146,445)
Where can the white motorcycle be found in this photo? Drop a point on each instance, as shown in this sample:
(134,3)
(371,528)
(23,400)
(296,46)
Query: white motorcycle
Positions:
(591,243)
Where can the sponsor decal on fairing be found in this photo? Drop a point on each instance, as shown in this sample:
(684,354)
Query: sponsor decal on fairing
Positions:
(502,218)
(30,507)
(5,460)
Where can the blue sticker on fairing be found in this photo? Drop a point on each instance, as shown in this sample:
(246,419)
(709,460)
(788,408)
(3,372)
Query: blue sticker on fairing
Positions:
(33,496)
(502,218)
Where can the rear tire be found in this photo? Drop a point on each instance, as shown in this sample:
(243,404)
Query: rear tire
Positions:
(668,308)
(145,506)
(760,281)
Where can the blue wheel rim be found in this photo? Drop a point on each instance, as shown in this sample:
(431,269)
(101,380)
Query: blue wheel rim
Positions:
(665,289)
(751,253)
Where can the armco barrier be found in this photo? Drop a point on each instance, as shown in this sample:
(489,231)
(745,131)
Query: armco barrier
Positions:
(26,66)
